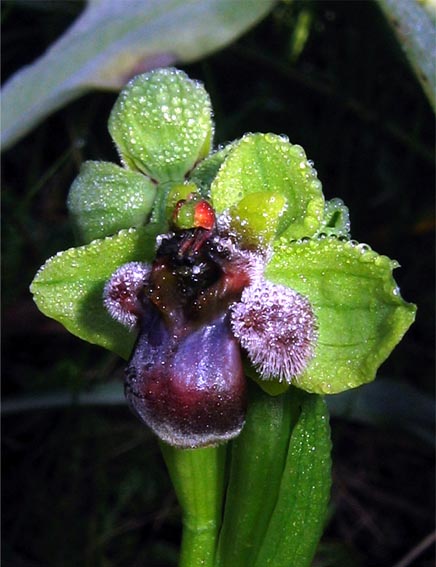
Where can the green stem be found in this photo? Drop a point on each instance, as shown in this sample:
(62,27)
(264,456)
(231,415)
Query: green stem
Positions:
(279,483)
(198,479)
(257,463)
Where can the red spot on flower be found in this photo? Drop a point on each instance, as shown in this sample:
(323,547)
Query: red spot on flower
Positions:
(204,215)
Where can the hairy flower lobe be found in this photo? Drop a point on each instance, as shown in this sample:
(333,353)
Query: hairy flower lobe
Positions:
(277,327)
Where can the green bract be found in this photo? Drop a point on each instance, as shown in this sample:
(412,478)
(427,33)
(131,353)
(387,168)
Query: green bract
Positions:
(289,518)
(271,198)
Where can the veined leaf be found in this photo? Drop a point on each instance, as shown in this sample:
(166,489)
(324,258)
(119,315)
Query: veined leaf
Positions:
(113,40)
(297,522)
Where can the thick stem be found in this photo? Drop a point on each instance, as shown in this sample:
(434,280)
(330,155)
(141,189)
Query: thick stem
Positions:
(198,479)
(257,463)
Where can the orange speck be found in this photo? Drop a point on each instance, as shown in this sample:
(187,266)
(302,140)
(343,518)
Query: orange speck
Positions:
(204,215)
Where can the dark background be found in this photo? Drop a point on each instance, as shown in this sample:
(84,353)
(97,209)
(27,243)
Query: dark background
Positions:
(86,485)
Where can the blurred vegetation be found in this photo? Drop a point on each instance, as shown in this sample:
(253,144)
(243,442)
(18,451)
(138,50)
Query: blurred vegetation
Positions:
(86,485)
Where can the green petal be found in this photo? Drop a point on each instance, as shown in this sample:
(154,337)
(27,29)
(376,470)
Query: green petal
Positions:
(267,162)
(162,124)
(105,198)
(256,218)
(360,314)
(69,287)
(336,219)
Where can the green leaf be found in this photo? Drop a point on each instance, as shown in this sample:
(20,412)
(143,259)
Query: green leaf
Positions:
(105,198)
(112,41)
(162,124)
(257,462)
(360,314)
(198,479)
(69,287)
(296,524)
(269,163)
(279,482)
(413,22)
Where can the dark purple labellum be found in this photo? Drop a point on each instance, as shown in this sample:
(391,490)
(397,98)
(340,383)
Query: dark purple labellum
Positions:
(185,378)
(190,389)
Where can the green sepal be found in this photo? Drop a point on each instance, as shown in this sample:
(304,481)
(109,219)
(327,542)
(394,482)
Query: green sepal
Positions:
(269,163)
(162,124)
(255,218)
(105,198)
(69,287)
(360,313)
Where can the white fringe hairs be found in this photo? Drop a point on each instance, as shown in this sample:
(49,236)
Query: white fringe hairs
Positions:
(277,328)
(120,295)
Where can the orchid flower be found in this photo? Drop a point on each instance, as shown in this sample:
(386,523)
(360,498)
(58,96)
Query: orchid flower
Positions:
(211,270)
